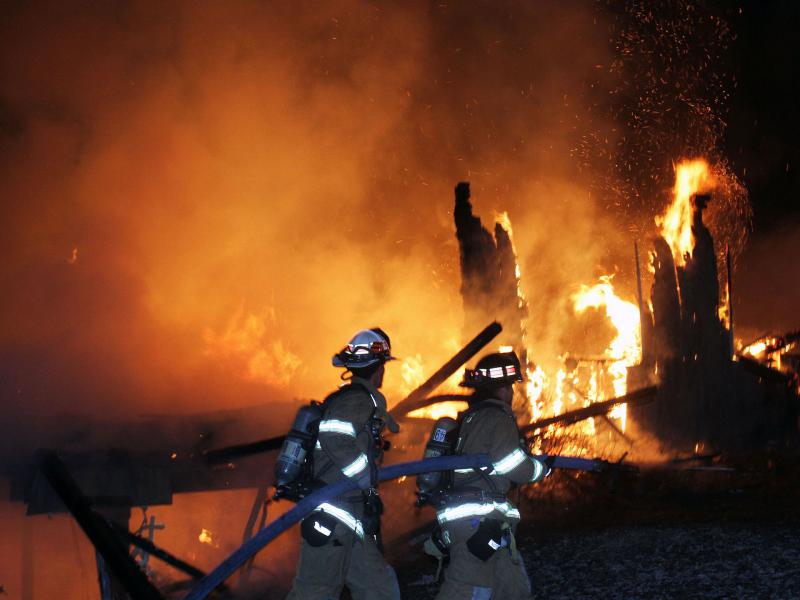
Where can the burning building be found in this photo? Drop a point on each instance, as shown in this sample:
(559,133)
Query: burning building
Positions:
(200,202)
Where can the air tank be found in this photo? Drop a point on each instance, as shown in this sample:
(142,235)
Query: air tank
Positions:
(442,441)
(299,442)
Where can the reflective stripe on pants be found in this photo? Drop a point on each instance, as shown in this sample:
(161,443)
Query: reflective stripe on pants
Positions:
(499,578)
(323,571)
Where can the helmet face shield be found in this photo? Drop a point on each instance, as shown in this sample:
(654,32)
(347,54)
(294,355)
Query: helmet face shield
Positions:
(494,371)
(368,347)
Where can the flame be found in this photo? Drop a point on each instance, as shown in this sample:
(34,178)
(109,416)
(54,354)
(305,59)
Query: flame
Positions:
(625,349)
(246,341)
(451,408)
(534,387)
(412,374)
(760,350)
(504,221)
(206,537)
(691,177)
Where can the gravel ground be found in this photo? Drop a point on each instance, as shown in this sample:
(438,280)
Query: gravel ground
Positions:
(718,560)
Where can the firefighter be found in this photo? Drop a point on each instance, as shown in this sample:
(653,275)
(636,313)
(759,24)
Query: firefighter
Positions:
(475,519)
(341,539)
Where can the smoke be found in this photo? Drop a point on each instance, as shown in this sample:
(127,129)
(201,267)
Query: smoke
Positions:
(202,202)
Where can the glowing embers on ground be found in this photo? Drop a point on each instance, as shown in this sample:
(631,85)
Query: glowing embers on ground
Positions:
(691,177)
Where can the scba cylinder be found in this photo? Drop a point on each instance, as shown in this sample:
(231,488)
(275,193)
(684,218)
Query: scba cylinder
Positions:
(441,442)
(299,442)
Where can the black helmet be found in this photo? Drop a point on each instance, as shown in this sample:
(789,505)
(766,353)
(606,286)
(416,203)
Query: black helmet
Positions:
(494,371)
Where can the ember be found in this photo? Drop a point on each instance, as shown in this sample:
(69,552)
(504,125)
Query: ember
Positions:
(202,200)
(205,537)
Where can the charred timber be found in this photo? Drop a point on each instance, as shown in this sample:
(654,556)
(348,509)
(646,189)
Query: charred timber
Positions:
(105,540)
(782,342)
(761,370)
(419,397)
(159,553)
(638,397)
(230,453)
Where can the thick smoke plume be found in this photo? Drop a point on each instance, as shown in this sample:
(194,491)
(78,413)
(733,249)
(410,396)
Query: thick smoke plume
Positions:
(201,202)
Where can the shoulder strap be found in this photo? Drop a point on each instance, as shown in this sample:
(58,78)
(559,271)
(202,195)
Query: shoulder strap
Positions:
(468,414)
(466,417)
(342,390)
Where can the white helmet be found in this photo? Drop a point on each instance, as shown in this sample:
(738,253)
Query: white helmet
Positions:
(368,347)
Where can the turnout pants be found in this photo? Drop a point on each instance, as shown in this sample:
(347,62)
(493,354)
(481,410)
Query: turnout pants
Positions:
(323,571)
(501,577)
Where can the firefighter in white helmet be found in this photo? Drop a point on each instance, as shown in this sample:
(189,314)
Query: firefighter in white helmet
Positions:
(475,519)
(341,539)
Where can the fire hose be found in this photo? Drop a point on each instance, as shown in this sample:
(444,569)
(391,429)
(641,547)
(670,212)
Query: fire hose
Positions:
(307,505)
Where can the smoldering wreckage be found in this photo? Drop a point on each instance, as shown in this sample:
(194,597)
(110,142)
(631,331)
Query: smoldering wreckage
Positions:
(674,377)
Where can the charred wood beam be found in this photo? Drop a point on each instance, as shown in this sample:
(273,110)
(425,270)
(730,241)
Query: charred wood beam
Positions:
(609,423)
(613,426)
(783,341)
(105,540)
(761,370)
(642,396)
(159,553)
(430,401)
(729,267)
(231,453)
(707,458)
(419,397)
(447,398)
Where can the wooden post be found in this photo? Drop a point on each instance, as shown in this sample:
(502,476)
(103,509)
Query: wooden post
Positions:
(729,264)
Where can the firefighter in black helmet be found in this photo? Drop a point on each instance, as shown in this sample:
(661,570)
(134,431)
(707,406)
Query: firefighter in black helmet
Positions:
(340,545)
(476,520)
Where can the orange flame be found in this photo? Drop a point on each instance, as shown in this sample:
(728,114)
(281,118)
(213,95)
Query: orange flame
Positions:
(206,537)
(247,343)
(691,177)
(625,349)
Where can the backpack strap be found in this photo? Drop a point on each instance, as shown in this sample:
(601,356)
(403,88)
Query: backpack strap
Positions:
(465,417)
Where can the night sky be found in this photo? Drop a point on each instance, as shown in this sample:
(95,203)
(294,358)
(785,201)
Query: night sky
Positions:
(763,137)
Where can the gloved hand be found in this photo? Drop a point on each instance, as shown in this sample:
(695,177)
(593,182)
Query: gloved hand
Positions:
(548,463)
(373,502)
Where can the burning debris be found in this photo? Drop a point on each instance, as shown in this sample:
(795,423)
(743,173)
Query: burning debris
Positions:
(705,396)
(226,285)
